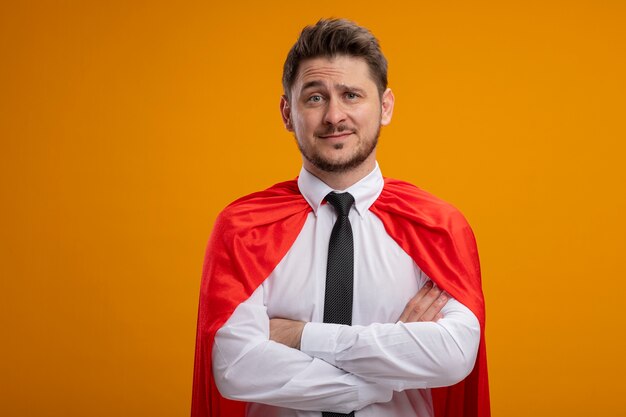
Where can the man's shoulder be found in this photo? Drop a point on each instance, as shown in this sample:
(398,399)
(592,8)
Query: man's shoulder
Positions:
(278,201)
(404,198)
(268,196)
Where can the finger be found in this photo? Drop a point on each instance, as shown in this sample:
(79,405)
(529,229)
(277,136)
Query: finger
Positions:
(424,304)
(408,309)
(420,303)
(435,308)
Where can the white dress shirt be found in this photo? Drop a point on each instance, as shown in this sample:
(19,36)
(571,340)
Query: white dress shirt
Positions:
(378,366)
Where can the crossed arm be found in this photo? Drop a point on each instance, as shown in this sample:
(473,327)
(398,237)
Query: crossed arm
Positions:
(426,305)
(317,366)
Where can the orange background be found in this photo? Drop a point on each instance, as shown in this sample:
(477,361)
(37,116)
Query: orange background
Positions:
(126,126)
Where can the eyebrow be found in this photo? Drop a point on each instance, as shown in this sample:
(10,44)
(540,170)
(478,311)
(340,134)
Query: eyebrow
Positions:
(311,84)
(317,83)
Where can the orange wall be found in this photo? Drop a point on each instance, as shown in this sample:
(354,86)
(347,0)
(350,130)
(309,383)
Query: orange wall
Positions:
(126,126)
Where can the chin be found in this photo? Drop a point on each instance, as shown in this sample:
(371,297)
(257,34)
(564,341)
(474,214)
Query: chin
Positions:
(327,158)
(338,165)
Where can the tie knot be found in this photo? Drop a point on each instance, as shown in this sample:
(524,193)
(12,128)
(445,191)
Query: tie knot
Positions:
(341,202)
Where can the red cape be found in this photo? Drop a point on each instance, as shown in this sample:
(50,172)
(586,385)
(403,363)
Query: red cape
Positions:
(253,234)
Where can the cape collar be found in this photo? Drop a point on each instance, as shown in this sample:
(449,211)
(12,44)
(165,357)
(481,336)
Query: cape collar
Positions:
(365,191)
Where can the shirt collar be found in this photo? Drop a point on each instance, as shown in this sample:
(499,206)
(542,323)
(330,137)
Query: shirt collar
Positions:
(365,191)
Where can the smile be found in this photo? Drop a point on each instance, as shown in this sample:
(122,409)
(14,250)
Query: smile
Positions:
(336,135)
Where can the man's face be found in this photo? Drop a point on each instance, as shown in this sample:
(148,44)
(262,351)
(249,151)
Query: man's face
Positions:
(336,113)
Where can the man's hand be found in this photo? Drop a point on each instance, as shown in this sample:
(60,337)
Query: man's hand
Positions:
(287,332)
(426,305)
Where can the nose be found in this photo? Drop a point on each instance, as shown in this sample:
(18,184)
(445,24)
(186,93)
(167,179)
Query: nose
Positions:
(335,113)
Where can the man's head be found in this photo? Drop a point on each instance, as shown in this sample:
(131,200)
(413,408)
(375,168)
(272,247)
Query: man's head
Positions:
(333,37)
(336,97)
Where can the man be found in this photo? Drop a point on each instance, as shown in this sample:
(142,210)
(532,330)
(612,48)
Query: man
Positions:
(317,296)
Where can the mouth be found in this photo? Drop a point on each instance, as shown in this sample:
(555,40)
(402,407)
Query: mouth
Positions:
(340,135)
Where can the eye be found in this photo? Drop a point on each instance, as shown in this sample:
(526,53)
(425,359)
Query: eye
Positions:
(316,98)
(352,96)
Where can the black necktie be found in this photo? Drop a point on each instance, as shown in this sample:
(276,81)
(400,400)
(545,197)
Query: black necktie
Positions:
(340,269)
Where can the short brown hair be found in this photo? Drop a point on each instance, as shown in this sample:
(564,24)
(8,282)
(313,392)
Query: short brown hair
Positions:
(332,37)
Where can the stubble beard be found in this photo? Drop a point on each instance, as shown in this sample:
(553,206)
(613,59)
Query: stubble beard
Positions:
(327,165)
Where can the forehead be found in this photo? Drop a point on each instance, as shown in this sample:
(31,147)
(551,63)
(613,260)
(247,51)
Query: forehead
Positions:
(342,69)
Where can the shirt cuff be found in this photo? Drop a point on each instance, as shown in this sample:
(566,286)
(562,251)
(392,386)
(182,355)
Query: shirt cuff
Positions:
(374,393)
(319,340)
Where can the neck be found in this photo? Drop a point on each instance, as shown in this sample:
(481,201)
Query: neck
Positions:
(342,180)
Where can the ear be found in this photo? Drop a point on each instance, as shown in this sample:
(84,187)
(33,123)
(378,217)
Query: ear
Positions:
(387,103)
(285,112)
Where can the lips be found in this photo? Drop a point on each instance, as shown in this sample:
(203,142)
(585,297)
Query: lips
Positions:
(336,135)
